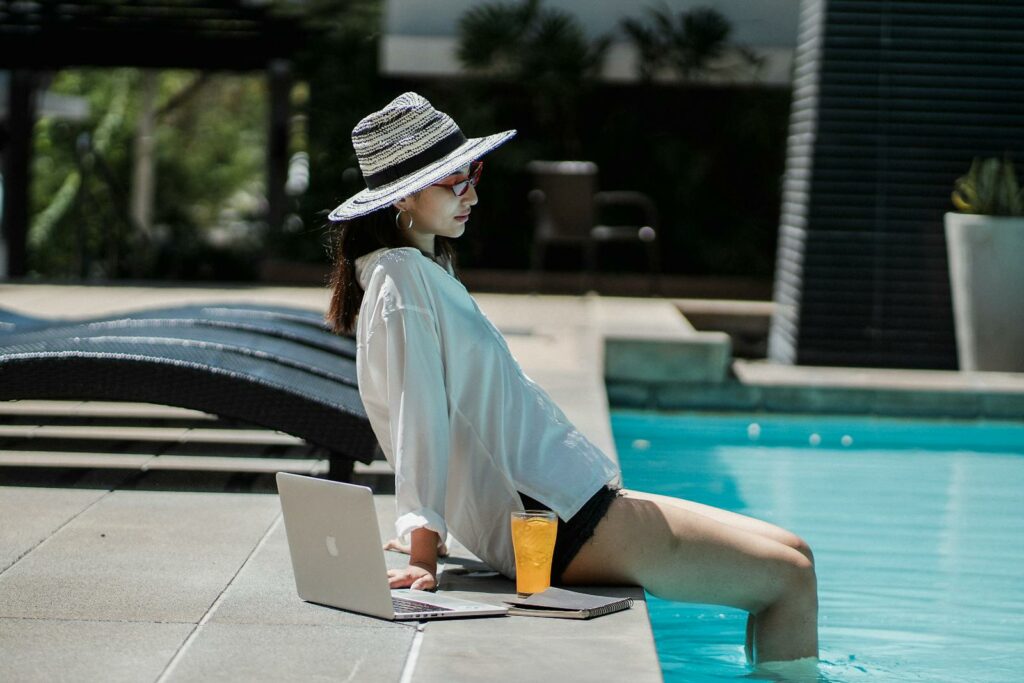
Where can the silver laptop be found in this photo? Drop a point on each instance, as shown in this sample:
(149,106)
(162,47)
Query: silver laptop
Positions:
(338,558)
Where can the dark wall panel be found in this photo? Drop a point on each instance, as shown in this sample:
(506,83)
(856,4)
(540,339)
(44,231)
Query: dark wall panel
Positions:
(891,102)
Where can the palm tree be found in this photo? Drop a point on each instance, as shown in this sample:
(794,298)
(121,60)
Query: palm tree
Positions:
(544,50)
(688,43)
(650,46)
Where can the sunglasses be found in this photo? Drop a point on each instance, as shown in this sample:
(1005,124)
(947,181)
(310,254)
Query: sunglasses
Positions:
(459,184)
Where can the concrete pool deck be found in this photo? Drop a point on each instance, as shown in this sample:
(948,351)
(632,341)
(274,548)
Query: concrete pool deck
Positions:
(111,581)
(108,580)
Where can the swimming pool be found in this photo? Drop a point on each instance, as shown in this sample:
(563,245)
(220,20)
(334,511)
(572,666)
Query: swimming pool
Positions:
(917,529)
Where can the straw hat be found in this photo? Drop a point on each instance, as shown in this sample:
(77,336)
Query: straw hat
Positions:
(405,147)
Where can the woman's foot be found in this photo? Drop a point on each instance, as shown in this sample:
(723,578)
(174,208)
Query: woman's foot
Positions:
(793,671)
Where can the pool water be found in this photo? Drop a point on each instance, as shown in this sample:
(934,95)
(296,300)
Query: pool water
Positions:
(917,528)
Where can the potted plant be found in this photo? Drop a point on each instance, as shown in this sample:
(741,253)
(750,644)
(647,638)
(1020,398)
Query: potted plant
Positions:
(985,246)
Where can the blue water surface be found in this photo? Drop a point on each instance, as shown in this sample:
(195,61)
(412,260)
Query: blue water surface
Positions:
(917,529)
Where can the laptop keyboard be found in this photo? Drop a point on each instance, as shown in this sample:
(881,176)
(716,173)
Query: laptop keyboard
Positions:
(405,606)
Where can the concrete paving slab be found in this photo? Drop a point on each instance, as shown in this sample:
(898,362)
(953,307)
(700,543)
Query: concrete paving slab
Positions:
(31,514)
(216,463)
(253,652)
(535,649)
(138,556)
(73,459)
(260,629)
(48,650)
(765,373)
(264,591)
(82,301)
(169,434)
(105,479)
(620,646)
(87,432)
(100,409)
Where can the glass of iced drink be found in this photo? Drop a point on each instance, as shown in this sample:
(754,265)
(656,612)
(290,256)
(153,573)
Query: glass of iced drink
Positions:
(533,537)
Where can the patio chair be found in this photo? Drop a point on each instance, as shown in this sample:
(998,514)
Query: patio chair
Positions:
(567,206)
(278,368)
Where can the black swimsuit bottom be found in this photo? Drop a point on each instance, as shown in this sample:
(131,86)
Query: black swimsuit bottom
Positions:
(573,534)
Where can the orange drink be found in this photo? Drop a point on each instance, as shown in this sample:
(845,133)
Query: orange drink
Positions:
(533,537)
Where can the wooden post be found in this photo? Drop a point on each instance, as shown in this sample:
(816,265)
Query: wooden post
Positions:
(279,77)
(17,153)
(143,187)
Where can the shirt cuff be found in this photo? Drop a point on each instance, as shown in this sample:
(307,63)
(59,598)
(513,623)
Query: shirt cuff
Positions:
(420,519)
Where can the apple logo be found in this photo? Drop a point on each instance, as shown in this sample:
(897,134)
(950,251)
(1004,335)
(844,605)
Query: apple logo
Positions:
(332,546)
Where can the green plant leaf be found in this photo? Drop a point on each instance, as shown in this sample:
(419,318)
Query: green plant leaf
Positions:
(1009,192)
(987,185)
(990,187)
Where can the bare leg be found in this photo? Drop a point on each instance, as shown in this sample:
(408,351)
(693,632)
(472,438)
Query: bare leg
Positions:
(737,520)
(678,554)
(742,522)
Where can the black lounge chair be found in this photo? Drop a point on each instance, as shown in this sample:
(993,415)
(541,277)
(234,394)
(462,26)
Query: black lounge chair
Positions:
(275,367)
(296,324)
(11,321)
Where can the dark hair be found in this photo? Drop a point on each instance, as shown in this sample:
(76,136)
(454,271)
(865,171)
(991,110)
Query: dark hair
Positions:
(360,236)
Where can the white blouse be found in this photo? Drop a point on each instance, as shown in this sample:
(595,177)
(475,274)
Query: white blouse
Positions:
(459,421)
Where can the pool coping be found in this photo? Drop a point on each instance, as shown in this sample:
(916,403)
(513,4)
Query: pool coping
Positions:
(764,387)
(715,381)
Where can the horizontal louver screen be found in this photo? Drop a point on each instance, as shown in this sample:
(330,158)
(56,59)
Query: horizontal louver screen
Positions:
(891,102)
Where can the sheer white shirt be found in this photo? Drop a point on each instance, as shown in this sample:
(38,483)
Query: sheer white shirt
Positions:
(457,418)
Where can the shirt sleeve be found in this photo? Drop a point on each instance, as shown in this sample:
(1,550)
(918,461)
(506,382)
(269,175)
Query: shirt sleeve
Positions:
(407,348)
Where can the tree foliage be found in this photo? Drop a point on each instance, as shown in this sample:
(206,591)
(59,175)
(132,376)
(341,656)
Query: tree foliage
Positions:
(210,167)
(339,62)
(687,43)
(546,51)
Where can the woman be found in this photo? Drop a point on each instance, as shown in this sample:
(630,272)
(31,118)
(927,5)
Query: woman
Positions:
(472,438)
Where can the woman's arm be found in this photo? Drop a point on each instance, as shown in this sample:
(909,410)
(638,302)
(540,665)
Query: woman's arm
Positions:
(421,574)
(404,363)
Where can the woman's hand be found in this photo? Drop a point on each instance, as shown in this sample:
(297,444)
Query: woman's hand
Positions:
(416,576)
(398,546)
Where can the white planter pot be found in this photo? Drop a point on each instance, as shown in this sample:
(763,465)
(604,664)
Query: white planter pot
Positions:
(986,276)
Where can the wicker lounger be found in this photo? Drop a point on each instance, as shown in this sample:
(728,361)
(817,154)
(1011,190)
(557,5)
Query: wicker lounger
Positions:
(11,322)
(275,367)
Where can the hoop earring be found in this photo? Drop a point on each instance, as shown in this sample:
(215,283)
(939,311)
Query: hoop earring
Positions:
(398,222)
